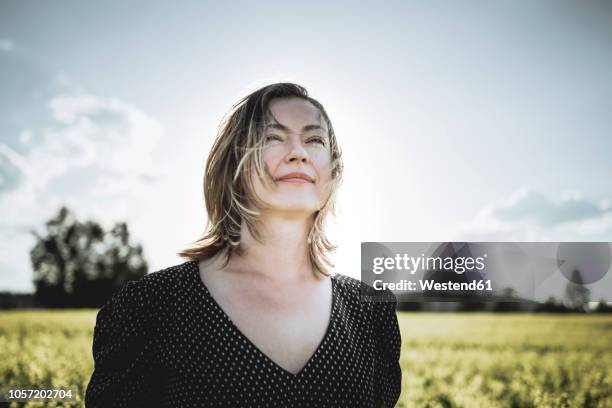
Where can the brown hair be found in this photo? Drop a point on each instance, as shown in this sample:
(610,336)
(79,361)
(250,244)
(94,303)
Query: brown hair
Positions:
(229,193)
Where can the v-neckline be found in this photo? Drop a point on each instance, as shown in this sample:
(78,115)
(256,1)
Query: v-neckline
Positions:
(255,348)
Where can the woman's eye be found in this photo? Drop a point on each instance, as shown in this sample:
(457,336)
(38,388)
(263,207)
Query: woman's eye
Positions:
(317,140)
(272,137)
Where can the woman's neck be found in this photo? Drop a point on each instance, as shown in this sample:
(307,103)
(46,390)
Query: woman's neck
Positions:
(283,254)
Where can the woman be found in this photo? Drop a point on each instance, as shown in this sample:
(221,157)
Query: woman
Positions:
(254,317)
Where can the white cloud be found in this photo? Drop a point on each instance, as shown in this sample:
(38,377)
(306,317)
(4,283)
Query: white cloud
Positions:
(119,137)
(6,44)
(106,135)
(528,215)
(25,136)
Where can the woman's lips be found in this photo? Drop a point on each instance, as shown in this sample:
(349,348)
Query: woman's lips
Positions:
(295,180)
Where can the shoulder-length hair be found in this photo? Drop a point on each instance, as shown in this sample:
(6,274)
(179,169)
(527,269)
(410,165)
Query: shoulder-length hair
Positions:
(229,193)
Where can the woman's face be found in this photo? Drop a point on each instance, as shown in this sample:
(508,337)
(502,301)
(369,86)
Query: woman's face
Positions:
(296,142)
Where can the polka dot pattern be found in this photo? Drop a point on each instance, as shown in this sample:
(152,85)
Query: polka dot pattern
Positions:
(163,341)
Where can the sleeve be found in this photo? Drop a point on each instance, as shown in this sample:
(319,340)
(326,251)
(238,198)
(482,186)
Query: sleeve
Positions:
(388,376)
(125,373)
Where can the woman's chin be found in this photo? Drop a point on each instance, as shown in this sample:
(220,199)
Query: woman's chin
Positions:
(294,210)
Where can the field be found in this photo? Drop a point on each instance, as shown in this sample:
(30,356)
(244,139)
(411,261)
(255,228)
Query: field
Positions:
(448,360)
(493,360)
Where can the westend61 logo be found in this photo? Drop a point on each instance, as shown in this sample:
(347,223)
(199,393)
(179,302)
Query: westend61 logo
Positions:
(412,264)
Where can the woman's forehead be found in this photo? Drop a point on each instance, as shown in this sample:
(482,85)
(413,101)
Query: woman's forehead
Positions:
(295,114)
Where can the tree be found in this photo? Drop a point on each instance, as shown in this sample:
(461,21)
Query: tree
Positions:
(603,307)
(510,304)
(552,306)
(577,295)
(78,264)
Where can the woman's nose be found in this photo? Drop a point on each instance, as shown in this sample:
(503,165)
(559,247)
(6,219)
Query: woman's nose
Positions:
(297,151)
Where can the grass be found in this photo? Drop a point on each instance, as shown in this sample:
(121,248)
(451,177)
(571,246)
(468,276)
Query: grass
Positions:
(448,360)
(513,360)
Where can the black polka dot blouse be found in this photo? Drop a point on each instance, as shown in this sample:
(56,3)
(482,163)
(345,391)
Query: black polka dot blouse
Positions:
(163,341)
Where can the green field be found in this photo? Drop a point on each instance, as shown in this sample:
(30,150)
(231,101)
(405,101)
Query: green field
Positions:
(448,360)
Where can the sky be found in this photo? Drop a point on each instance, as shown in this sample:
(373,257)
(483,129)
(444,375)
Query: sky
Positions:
(458,121)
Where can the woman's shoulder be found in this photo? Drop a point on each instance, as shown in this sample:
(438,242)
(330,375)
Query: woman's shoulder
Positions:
(155,289)
(174,277)
(361,292)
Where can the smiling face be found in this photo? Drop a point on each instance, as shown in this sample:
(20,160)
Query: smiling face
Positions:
(296,141)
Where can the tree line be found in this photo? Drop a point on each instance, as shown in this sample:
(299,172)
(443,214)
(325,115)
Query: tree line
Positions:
(79,264)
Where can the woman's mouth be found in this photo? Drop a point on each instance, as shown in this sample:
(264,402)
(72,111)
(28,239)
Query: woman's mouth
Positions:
(295,180)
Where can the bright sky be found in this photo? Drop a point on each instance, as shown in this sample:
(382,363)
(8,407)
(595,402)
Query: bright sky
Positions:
(471,121)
